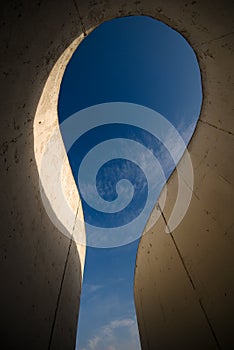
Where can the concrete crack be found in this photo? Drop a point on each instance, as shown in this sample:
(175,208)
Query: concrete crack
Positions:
(218,38)
(191,281)
(62,280)
(177,248)
(216,127)
(80,18)
(191,189)
(209,323)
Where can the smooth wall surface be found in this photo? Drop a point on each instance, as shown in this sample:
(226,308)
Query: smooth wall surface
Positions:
(184,280)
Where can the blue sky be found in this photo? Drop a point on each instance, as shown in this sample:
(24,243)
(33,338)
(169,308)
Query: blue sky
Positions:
(140,61)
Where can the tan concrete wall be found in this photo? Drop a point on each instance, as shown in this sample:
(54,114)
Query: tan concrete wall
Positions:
(184,282)
(40,268)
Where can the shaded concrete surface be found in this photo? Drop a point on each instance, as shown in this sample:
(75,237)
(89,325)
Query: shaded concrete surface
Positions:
(40,268)
(184,281)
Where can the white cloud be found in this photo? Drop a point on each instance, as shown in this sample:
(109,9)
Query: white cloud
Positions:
(108,336)
(93,342)
(92,288)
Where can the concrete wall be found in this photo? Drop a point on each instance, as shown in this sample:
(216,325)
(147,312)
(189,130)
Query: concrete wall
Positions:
(40,268)
(183,281)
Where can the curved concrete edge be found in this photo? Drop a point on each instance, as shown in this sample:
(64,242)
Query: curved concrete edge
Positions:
(40,269)
(184,280)
(57,186)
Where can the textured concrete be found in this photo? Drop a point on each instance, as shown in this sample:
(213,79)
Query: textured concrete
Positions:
(183,281)
(184,285)
(40,269)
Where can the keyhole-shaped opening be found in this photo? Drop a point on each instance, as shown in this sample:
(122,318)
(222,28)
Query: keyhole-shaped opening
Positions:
(128,105)
(131,87)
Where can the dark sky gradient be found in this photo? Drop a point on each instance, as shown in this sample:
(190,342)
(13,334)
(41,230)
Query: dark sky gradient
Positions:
(142,61)
(138,60)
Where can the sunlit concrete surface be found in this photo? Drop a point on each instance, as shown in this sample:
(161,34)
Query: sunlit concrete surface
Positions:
(57,186)
(184,280)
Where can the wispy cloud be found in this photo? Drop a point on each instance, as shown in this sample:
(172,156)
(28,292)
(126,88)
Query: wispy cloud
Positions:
(92,288)
(110,336)
(94,342)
